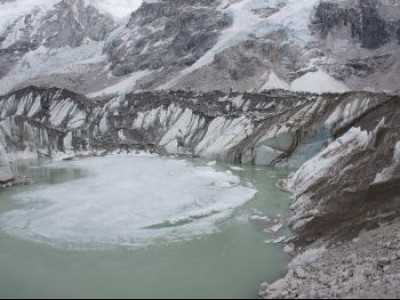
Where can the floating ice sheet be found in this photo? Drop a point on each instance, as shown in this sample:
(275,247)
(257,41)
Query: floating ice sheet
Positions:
(133,201)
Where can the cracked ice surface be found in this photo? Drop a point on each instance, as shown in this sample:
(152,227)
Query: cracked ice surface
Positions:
(131,201)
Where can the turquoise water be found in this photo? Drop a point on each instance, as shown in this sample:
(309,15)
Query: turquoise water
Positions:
(229,263)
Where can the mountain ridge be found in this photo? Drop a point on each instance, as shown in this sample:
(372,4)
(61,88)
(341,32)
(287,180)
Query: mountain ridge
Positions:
(204,45)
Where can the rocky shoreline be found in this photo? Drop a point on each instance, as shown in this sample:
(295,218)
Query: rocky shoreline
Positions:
(17,181)
(367,267)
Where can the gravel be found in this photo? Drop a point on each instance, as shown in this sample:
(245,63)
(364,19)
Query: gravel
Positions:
(367,267)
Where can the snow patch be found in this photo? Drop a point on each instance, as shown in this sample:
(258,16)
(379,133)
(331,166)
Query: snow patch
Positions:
(11,11)
(119,9)
(293,18)
(274,82)
(44,61)
(318,82)
(308,258)
(123,87)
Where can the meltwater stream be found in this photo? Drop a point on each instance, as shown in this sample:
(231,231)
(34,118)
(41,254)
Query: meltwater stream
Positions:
(139,227)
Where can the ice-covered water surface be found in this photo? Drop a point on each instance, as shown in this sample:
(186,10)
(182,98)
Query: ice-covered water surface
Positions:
(130,201)
(231,263)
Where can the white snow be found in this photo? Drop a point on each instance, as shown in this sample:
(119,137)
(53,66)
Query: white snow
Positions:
(16,33)
(276,228)
(212,163)
(396,155)
(307,258)
(44,61)
(222,135)
(274,82)
(124,86)
(293,18)
(118,204)
(345,113)
(11,11)
(119,9)
(388,173)
(318,82)
(234,168)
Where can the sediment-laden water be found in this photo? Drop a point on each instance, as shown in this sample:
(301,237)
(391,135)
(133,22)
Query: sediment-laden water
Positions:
(139,227)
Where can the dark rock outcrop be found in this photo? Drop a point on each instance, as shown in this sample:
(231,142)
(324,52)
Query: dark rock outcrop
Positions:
(175,33)
(363,22)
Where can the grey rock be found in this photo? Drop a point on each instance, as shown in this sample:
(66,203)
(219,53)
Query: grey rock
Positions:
(367,272)
(300,272)
(384,261)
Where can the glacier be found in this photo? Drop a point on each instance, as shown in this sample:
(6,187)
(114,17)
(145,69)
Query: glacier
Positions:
(275,128)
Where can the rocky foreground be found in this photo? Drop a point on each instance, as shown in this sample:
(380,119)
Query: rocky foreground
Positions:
(367,267)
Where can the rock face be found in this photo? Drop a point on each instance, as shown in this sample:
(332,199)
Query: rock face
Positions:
(361,40)
(201,45)
(168,35)
(364,22)
(5,171)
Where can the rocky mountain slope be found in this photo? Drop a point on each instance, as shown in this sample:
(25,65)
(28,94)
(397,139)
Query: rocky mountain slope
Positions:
(93,48)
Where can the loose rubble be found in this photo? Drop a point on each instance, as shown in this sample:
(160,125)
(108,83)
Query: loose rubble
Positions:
(366,267)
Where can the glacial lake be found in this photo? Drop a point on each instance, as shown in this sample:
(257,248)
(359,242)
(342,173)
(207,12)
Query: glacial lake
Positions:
(140,227)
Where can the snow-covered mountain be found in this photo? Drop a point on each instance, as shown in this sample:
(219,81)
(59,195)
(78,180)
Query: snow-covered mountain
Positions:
(103,47)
